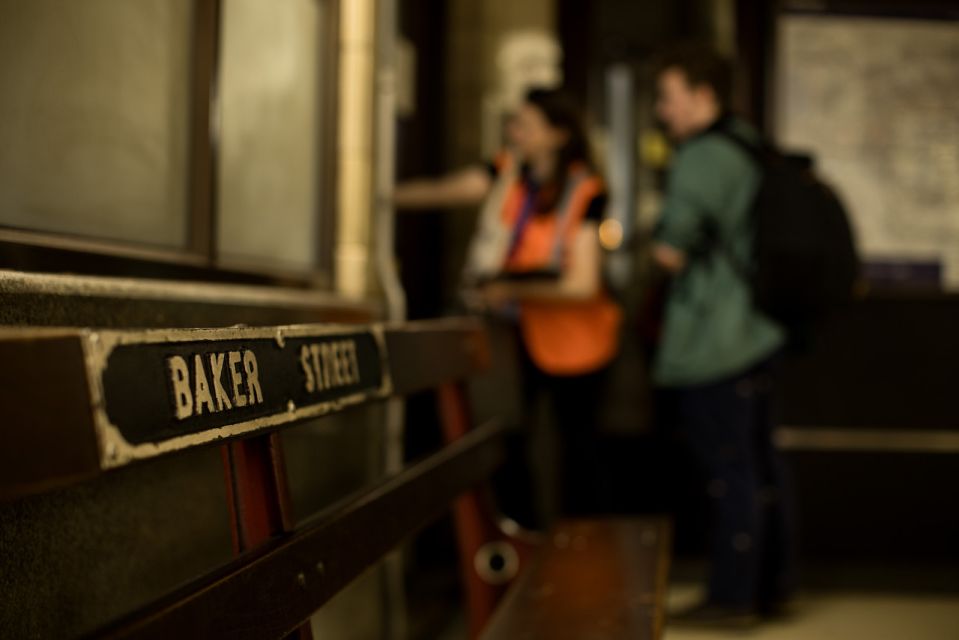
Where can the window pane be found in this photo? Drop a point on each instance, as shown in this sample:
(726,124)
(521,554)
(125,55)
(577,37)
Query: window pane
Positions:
(269,132)
(94,106)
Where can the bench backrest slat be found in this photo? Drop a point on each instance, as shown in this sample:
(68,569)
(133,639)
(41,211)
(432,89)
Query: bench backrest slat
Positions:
(78,402)
(287,581)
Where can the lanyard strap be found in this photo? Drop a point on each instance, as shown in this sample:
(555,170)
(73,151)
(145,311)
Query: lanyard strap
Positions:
(525,214)
(563,215)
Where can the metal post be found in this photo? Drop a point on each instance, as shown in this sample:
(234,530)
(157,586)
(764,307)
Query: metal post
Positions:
(384,217)
(621,99)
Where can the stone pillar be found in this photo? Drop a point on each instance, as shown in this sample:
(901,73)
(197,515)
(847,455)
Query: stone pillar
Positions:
(355,154)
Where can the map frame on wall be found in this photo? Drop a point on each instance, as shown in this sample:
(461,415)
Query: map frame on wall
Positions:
(869,96)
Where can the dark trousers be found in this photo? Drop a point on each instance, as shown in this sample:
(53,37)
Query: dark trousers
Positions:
(728,425)
(574,403)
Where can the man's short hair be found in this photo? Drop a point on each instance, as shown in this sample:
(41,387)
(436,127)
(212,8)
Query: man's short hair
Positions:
(702,65)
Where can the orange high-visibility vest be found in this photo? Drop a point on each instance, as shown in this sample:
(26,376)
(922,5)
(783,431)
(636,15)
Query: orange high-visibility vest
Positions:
(569,337)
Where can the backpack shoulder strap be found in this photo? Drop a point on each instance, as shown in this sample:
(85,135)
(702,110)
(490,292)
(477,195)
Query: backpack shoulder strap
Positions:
(758,151)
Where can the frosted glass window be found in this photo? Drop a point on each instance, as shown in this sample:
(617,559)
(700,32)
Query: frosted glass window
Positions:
(268,164)
(94,113)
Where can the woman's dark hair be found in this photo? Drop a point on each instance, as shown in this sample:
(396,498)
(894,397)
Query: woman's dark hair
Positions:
(562,112)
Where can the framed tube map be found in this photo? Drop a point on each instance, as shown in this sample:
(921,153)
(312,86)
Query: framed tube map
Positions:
(876,101)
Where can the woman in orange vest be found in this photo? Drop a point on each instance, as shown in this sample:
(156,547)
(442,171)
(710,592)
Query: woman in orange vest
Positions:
(548,203)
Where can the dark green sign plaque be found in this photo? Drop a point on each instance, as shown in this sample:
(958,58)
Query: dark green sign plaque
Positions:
(190,387)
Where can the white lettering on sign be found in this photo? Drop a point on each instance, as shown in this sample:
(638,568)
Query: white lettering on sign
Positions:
(201,389)
(233,359)
(329,365)
(216,368)
(182,398)
(207,393)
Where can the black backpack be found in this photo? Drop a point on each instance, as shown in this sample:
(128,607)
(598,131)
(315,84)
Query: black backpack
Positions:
(804,261)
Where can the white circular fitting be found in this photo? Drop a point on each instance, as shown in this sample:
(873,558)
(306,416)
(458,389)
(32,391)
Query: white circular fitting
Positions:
(496,562)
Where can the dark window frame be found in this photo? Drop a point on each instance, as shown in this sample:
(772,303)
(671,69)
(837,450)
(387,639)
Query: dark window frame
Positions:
(43,251)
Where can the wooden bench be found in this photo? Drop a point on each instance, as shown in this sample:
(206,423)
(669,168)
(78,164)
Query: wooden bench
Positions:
(132,397)
(590,579)
(583,578)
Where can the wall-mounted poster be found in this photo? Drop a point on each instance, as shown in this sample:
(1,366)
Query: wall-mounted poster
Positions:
(876,100)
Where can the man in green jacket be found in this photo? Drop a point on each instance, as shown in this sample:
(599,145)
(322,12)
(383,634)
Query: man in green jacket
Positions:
(717,350)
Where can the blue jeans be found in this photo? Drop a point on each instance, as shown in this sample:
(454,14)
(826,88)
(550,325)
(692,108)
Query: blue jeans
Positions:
(729,427)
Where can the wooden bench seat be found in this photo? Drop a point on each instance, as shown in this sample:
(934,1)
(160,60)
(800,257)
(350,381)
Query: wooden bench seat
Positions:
(590,579)
(596,578)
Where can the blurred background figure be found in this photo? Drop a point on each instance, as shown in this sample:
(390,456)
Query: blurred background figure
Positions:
(717,349)
(537,255)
